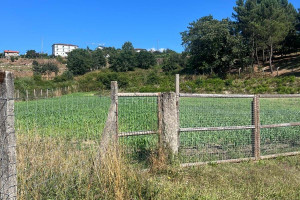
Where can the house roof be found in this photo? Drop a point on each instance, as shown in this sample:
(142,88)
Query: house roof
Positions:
(10,51)
(140,49)
(65,44)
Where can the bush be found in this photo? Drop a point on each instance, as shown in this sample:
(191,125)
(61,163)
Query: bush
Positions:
(153,78)
(66,76)
(106,78)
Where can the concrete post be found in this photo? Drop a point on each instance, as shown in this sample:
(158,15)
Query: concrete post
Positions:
(8,171)
(170,137)
(110,132)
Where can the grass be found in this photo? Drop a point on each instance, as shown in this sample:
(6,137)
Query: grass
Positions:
(82,116)
(51,169)
(58,140)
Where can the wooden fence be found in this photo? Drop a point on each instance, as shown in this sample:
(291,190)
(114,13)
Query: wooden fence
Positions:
(169,130)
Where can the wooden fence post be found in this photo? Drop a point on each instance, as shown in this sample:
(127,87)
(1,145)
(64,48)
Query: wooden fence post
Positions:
(110,131)
(170,137)
(8,170)
(256,130)
(159,118)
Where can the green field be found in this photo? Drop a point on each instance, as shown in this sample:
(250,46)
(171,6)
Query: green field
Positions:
(57,148)
(82,116)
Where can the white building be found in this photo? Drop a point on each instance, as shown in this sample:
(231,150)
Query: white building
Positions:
(9,53)
(100,47)
(62,49)
(139,50)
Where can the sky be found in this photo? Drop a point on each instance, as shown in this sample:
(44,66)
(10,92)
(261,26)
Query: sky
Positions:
(37,24)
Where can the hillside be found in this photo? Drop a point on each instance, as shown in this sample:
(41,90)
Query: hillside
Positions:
(22,67)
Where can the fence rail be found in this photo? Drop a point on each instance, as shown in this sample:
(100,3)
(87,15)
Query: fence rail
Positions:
(217,127)
(57,136)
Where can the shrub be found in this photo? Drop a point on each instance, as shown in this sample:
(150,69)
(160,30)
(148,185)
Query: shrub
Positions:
(66,76)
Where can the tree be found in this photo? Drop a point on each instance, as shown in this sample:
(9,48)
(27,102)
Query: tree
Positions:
(99,59)
(12,59)
(275,24)
(264,24)
(31,54)
(79,61)
(145,59)
(125,60)
(174,61)
(298,21)
(45,68)
(211,45)
(247,24)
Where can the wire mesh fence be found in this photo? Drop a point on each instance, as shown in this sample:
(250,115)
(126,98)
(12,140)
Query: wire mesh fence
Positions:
(279,110)
(276,140)
(213,128)
(214,112)
(56,139)
(210,144)
(205,146)
(58,135)
(280,140)
(138,125)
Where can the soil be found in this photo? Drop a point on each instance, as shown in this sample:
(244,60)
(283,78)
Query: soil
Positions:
(23,66)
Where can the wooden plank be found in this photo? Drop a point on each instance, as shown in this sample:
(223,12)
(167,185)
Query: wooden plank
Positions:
(279,95)
(241,159)
(125,134)
(255,132)
(217,128)
(280,154)
(138,94)
(216,162)
(216,95)
(237,127)
(281,125)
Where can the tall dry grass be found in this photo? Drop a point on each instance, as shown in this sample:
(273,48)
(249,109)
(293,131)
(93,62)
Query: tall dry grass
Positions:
(53,168)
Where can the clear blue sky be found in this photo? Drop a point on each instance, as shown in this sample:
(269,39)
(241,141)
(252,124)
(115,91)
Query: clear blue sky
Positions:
(24,23)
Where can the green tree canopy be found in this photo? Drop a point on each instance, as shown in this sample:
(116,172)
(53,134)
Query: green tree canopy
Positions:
(45,68)
(264,23)
(145,59)
(31,54)
(79,61)
(125,60)
(211,45)
(99,59)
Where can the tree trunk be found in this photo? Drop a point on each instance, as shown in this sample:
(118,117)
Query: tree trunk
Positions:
(252,56)
(263,57)
(256,55)
(270,60)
